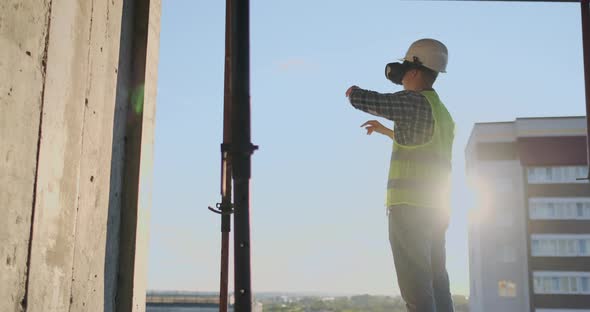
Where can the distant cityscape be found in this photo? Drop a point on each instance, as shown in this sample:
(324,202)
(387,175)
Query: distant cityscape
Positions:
(177,301)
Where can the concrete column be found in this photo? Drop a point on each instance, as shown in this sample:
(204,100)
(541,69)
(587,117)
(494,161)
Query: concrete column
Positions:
(72,125)
(89,290)
(141,58)
(69,231)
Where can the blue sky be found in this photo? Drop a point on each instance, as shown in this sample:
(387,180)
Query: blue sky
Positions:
(318,185)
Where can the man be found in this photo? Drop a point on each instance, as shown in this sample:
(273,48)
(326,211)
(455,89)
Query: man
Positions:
(419,174)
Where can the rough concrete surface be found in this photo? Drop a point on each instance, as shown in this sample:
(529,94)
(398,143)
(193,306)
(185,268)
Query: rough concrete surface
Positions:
(91,223)
(23,32)
(63,106)
(58,179)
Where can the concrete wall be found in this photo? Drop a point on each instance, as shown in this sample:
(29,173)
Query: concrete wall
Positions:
(23,36)
(64,107)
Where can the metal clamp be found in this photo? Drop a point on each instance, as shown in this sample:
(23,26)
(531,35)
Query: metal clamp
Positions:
(222,209)
(248,149)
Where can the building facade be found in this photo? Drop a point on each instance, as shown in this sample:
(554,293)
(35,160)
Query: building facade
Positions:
(529,236)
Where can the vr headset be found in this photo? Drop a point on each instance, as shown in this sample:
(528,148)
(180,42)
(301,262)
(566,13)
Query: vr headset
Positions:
(395,71)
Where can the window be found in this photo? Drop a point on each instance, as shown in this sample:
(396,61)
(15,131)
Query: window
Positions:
(546,282)
(554,283)
(560,245)
(535,246)
(559,208)
(506,288)
(584,246)
(564,174)
(573,285)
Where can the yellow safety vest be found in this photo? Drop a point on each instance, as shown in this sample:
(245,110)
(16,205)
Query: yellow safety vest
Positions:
(419,175)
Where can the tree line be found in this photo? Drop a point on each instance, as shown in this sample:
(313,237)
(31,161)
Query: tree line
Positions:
(360,303)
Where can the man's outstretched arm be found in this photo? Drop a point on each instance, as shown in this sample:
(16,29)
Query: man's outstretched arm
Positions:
(399,107)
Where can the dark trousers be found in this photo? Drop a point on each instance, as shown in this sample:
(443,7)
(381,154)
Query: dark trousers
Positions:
(417,238)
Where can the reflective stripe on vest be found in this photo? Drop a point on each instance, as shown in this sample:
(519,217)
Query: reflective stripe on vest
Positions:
(415,184)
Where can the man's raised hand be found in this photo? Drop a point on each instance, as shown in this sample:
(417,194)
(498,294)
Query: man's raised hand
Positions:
(375,126)
(349,91)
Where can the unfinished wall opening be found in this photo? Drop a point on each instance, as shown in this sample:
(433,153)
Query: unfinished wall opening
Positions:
(318,181)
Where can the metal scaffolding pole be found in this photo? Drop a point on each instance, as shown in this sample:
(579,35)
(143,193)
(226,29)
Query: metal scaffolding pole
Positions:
(241,151)
(226,181)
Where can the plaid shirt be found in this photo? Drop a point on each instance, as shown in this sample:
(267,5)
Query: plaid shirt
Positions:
(409,110)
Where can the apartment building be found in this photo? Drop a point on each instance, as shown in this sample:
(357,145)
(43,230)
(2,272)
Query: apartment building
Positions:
(529,236)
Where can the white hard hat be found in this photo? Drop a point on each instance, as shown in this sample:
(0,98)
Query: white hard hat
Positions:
(431,53)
